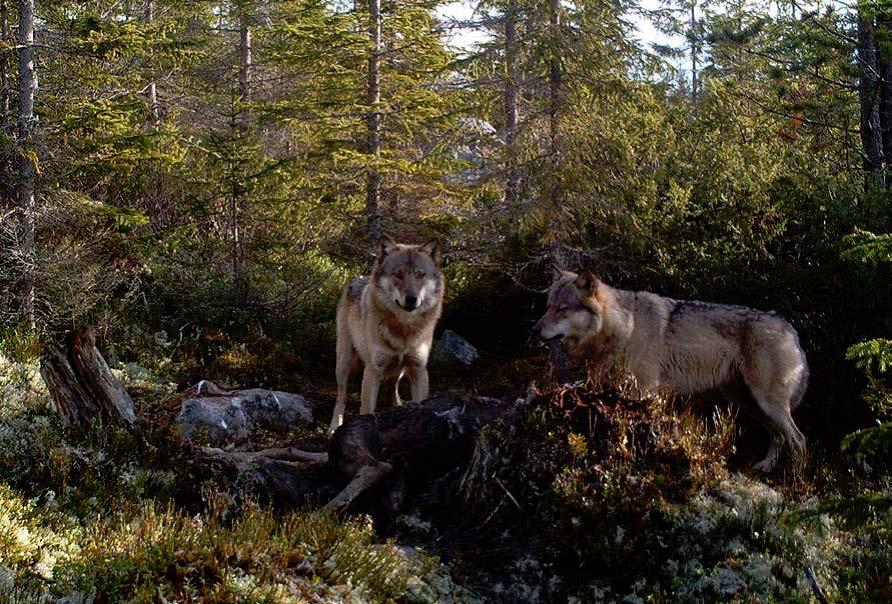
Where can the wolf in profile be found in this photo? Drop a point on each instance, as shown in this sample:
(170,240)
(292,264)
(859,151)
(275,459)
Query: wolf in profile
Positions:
(753,357)
(386,322)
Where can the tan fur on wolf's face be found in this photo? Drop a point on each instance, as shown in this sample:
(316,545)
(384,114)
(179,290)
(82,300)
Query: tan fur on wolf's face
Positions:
(573,311)
(407,277)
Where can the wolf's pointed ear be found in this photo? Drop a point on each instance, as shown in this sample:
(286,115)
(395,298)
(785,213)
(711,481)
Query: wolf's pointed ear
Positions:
(385,246)
(432,249)
(587,283)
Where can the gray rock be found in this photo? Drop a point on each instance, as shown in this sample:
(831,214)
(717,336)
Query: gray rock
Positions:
(451,348)
(233,416)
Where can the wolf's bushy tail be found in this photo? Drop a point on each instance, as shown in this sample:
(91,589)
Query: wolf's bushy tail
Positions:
(802,385)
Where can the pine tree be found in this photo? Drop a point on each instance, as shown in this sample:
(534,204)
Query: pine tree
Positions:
(92,110)
(383,111)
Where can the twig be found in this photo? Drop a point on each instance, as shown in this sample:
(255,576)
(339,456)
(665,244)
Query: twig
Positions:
(493,513)
(508,493)
(813,580)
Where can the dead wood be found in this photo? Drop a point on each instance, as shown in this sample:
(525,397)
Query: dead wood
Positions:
(81,383)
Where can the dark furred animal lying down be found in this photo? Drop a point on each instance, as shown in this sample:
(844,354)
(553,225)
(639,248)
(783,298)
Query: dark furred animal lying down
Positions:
(410,443)
(407,446)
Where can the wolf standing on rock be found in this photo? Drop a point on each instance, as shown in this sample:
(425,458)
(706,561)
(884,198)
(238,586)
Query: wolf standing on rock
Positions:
(689,346)
(386,324)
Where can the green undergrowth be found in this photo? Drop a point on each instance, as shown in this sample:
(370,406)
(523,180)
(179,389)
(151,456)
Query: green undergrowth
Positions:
(609,497)
(591,494)
(110,515)
(147,552)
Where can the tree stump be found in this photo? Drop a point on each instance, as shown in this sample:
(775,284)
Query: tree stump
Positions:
(81,383)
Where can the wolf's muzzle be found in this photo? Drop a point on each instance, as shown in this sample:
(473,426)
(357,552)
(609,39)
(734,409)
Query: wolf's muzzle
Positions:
(536,330)
(410,304)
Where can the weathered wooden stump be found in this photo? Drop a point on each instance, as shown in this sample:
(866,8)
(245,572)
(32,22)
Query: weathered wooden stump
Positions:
(81,383)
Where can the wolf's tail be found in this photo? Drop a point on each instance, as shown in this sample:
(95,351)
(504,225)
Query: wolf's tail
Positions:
(802,384)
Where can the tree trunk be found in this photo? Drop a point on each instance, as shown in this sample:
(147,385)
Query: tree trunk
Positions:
(4,63)
(694,82)
(557,250)
(869,97)
(152,92)
(27,158)
(554,72)
(884,65)
(244,74)
(512,176)
(7,199)
(240,125)
(235,237)
(81,383)
(373,99)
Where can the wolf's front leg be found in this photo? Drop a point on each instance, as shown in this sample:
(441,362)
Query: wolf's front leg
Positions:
(397,401)
(371,382)
(647,378)
(342,374)
(418,378)
(337,418)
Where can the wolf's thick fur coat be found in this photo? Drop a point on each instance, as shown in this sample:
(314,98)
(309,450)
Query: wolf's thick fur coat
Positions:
(688,346)
(385,324)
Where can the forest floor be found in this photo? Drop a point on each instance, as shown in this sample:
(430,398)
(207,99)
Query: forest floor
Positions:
(593,495)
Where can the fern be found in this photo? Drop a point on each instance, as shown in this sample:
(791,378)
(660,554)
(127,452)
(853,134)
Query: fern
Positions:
(870,441)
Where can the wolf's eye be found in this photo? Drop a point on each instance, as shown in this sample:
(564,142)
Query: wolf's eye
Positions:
(562,307)
(420,274)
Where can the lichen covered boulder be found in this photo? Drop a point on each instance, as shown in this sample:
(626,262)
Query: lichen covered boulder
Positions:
(223,417)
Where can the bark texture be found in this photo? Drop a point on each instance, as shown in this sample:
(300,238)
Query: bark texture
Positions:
(81,384)
(512,82)
(27,158)
(152,90)
(373,99)
(869,88)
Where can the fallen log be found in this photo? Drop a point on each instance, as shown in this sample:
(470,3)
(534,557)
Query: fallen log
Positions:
(81,383)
